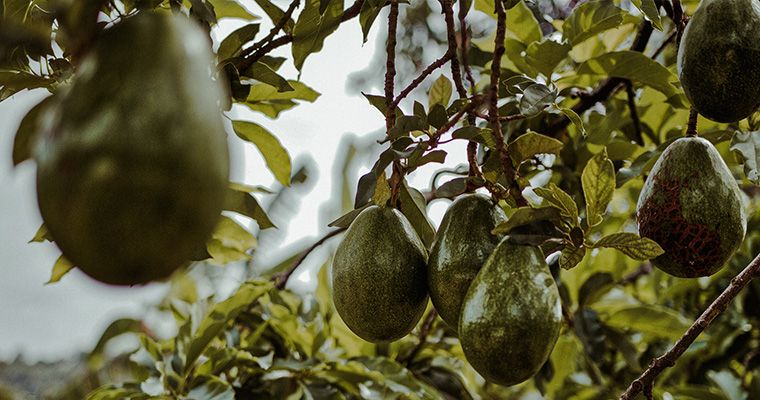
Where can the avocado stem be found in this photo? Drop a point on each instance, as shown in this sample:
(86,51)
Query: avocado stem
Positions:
(691,129)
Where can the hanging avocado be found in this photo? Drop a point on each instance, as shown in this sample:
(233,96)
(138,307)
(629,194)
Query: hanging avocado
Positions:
(691,206)
(462,244)
(719,59)
(131,174)
(379,276)
(511,315)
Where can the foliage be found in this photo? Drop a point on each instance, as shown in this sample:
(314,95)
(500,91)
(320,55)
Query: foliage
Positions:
(588,99)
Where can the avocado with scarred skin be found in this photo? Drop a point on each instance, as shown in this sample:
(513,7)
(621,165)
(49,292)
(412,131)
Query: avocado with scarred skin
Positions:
(511,316)
(691,206)
(719,59)
(379,275)
(462,244)
(133,164)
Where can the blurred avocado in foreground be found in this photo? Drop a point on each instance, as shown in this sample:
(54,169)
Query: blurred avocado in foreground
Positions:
(511,315)
(379,275)
(719,59)
(691,206)
(462,244)
(133,165)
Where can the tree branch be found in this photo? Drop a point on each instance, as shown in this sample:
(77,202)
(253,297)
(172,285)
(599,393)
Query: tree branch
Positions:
(659,364)
(282,279)
(246,62)
(604,90)
(634,113)
(424,74)
(272,32)
(493,106)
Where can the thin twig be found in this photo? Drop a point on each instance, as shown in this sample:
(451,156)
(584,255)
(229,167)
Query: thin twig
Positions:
(397,175)
(424,331)
(456,72)
(465,43)
(282,279)
(634,113)
(424,74)
(664,44)
(272,32)
(246,62)
(659,364)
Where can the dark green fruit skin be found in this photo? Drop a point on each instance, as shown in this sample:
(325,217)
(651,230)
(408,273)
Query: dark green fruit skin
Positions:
(719,59)
(692,207)
(133,168)
(379,276)
(462,244)
(511,315)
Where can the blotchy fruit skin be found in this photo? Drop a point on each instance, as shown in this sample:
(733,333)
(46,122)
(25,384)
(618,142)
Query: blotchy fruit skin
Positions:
(133,168)
(462,245)
(718,59)
(691,206)
(511,315)
(379,276)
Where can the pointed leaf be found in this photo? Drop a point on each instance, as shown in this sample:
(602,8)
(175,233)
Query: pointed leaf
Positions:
(632,245)
(440,92)
(276,157)
(61,267)
(598,181)
(313,27)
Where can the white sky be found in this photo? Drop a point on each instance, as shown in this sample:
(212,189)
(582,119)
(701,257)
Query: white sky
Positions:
(49,322)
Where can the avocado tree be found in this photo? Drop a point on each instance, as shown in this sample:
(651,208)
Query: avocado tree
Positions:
(589,247)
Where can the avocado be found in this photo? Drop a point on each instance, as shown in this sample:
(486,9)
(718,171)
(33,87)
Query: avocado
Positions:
(511,315)
(462,244)
(691,206)
(719,59)
(133,167)
(379,275)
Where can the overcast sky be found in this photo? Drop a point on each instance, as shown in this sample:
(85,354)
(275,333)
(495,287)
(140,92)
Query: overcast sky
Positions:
(49,322)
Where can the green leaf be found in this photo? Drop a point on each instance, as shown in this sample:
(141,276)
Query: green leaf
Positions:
(590,19)
(649,319)
(598,181)
(382,191)
(230,242)
(636,67)
(242,202)
(18,80)
(41,235)
(276,14)
(208,387)
(440,92)
(61,267)
(650,9)
(524,216)
(263,73)
(560,200)
(413,206)
(483,136)
(535,98)
(369,12)
(231,9)
(632,245)
(746,148)
(452,188)
(276,157)
(312,28)
(233,43)
(521,24)
(625,174)
(530,144)
(574,118)
(220,315)
(571,256)
(345,220)
(268,100)
(26,133)
(545,55)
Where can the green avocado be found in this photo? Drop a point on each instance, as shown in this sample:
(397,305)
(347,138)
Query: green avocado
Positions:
(692,207)
(719,59)
(133,165)
(462,244)
(379,276)
(511,315)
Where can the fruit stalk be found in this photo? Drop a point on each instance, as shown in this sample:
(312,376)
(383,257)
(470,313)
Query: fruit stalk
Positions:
(659,364)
